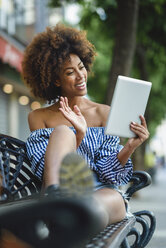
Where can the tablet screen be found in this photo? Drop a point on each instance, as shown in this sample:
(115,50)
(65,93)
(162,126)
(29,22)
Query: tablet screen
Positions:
(128,103)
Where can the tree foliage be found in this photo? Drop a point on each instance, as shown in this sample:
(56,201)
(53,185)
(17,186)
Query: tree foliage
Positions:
(151,43)
(99,18)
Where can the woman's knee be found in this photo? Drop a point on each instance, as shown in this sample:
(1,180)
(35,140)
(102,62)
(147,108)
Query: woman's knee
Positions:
(63,133)
(63,130)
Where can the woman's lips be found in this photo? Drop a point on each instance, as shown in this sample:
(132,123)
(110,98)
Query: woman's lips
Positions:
(81,85)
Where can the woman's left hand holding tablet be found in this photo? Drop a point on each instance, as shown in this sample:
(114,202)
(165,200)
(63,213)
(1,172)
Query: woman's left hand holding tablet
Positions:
(141,132)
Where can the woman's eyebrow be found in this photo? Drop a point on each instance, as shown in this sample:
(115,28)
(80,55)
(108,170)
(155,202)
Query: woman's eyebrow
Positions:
(67,68)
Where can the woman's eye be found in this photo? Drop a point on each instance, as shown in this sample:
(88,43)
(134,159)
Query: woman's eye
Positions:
(69,73)
(82,67)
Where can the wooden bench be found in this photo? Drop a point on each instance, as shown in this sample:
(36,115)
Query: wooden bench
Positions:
(20,195)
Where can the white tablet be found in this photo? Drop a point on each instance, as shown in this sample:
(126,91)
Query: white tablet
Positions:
(128,103)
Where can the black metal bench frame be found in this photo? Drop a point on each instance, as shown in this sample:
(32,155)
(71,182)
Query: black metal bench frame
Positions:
(20,188)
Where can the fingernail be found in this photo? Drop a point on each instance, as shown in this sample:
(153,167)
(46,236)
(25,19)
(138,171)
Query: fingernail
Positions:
(133,122)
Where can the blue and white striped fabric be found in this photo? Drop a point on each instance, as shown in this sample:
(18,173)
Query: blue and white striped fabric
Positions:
(99,150)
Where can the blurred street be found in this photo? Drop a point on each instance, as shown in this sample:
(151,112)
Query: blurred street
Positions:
(153,198)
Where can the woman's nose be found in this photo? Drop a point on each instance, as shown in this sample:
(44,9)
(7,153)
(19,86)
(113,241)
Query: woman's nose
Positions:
(80,74)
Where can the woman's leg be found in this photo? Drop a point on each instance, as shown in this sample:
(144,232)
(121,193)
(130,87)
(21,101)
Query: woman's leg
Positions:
(111,204)
(61,142)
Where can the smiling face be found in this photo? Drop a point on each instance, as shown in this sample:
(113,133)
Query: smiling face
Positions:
(73,77)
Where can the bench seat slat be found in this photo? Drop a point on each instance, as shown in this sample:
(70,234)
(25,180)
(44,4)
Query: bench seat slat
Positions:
(113,235)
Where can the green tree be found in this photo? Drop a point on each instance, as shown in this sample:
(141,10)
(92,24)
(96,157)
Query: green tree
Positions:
(150,57)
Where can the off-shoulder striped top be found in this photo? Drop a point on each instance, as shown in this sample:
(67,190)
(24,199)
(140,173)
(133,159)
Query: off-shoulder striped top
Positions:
(99,150)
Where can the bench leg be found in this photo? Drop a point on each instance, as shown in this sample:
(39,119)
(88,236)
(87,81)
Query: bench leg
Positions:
(125,244)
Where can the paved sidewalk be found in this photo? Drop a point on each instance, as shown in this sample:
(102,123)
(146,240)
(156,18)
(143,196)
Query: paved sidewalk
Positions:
(153,198)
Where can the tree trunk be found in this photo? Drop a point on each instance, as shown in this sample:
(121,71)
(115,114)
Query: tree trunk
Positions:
(125,40)
(142,66)
(138,156)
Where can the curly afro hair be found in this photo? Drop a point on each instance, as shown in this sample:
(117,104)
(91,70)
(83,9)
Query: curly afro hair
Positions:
(45,55)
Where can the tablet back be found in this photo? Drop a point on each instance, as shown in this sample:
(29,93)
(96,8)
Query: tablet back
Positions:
(128,103)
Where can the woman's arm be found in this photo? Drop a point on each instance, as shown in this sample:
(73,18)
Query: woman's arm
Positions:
(142,134)
(140,130)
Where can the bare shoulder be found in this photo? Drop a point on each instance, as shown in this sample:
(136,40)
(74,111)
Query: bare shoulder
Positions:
(103,111)
(36,119)
(103,107)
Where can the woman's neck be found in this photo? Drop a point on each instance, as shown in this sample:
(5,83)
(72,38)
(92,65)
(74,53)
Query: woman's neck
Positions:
(80,101)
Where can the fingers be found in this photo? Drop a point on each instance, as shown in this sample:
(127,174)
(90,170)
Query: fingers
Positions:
(140,127)
(64,104)
(143,121)
(140,130)
(66,110)
(77,110)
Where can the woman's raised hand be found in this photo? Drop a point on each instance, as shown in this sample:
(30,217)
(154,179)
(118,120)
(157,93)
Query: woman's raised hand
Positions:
(73,116)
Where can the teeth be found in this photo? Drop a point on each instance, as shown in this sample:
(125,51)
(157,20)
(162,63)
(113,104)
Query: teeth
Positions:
(81,84)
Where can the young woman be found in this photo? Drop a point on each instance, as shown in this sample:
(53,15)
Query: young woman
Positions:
(56,66)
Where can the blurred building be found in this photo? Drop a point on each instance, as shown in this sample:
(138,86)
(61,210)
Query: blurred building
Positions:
(20,20)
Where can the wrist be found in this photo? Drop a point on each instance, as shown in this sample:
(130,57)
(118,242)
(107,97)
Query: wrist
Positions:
(79,136)
(81,132)
(128,146)
(125,154)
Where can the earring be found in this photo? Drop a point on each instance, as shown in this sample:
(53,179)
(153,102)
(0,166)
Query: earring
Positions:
(57,84)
